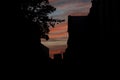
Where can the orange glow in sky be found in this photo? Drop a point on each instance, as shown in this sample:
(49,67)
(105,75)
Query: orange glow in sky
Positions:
(58,35)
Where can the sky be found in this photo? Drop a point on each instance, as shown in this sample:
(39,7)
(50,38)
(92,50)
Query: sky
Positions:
(58,35)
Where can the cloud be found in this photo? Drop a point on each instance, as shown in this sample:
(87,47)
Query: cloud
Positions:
(58,35)
(62,2)
(68,7)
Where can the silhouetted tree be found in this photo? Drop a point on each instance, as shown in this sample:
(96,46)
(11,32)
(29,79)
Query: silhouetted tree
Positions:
(37,11)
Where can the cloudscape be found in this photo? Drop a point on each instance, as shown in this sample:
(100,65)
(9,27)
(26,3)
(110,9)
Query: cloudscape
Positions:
(58,35)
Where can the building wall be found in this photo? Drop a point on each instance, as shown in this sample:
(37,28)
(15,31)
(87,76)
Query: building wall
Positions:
(77,29)
(94,39)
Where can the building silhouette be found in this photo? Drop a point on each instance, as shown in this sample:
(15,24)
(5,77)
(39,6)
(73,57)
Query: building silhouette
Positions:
(104,22)
(77,30)
(106,14)
(58,59)
(93,39)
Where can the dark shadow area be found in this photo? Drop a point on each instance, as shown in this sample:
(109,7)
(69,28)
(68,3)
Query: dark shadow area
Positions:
(93,39)
(22,44)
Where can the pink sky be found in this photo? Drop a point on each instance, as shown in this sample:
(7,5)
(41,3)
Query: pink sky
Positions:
(58,35)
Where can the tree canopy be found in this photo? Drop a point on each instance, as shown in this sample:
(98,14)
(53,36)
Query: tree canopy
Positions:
(37,11)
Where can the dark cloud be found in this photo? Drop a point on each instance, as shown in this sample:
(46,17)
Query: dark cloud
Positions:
(62,2)
(65,7)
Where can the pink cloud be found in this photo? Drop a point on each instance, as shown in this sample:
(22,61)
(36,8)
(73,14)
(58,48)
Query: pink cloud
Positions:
(58,35)
(58,28)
